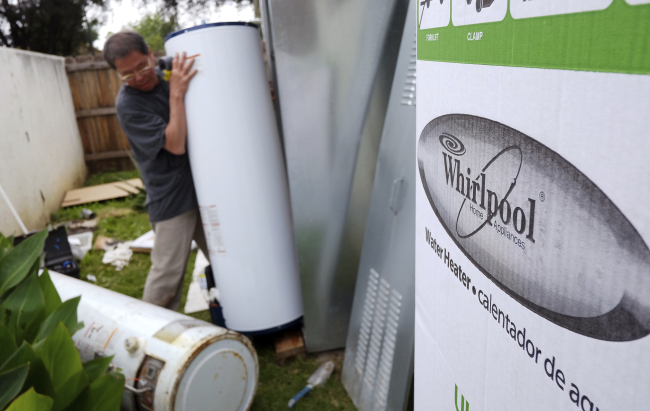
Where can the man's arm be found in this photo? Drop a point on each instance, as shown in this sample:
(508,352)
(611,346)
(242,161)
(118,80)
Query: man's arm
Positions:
(176,130)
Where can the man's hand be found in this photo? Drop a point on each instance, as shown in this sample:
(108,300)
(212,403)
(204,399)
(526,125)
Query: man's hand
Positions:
(176,131)
(182,73)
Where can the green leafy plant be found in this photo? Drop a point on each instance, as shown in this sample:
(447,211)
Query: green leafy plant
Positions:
(154,27)
(40,367)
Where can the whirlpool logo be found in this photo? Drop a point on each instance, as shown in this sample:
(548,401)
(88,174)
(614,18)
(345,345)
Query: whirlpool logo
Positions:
(537,227)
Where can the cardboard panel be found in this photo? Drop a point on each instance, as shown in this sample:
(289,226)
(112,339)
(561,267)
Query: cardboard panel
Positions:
(532,230)
(102,192)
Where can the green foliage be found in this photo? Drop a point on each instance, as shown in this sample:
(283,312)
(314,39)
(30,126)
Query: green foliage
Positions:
(32,401)
(278,383)
(155,27)
(111,177)
(40,367)
(60,27)
(11,383)
(7,343)
(16,265)
(66,314)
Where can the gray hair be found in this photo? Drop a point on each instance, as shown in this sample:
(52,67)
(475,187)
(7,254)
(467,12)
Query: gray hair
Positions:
(122,44)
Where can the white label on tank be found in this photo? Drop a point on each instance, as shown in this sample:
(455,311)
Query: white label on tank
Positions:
(212,229)
(98,336)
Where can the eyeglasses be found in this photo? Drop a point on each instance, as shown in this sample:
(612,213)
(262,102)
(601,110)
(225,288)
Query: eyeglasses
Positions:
(131,76)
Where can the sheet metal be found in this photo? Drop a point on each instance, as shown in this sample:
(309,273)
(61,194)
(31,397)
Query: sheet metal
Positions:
(378,366)
(334,62)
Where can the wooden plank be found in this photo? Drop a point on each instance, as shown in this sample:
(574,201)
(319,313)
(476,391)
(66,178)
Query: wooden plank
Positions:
(102,111)
(108,155)
(94,87)
(90,65)
(102,192)
(289,344)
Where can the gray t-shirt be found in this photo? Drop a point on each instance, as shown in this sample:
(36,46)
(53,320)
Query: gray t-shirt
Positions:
(166,176)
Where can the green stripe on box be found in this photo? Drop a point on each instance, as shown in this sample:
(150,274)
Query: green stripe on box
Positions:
(612,40)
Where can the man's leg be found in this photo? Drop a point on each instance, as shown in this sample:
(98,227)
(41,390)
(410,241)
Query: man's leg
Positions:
(169,257)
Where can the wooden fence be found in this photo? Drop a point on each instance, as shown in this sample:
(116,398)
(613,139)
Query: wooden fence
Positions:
(94,86)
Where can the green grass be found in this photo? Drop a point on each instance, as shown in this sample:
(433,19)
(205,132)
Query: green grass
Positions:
(111,177)
(122,220)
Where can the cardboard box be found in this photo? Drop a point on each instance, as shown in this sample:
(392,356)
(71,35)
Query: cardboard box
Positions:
(532,205)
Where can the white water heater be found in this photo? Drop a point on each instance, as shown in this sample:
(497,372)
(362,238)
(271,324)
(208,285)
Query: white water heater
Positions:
(239,176)
(171,362)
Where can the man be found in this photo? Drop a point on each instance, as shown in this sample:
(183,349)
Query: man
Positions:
(151,112)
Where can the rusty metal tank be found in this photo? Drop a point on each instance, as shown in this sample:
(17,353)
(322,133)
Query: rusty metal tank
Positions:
(171,362)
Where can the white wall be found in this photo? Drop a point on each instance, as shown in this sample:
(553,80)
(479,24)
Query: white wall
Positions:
(41,156)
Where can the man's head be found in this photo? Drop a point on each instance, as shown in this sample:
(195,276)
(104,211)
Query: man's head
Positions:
(128,53)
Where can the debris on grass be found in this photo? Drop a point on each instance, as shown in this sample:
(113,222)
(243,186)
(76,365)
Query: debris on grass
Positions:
(80,244)
(103,192)
(319,377)
(102,242)
(118,255)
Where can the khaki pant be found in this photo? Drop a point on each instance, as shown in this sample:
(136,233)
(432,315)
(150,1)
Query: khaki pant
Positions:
(169,258)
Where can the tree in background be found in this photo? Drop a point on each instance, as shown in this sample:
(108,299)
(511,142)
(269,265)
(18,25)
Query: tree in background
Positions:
(155,27)
(60,27)
(194,6)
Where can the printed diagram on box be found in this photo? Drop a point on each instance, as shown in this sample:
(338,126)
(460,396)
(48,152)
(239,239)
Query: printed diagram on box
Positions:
(521,9)
(480,4)
(464,12)
(434,13)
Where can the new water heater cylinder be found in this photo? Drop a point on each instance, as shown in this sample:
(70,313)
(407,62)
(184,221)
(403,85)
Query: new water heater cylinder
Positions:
(171,362)
(239,176)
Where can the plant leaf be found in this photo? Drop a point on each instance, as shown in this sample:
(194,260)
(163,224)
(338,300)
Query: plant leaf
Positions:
(103,394)
(51,296)
(70,390)
(32,401)
(10,384)
(59,355)
(95,368)
(65,313)
(24,309)
(38,377)
(7,344)
(6,244)
(15,265)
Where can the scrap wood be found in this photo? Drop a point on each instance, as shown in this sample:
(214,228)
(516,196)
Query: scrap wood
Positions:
(289,344)
(101,242)
(82,226)
(102,192)
(144,243)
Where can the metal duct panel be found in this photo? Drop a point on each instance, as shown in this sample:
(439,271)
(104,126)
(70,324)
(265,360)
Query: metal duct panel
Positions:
(334,62)
(378,367)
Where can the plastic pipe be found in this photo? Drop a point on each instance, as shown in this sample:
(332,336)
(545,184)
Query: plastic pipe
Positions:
(13,211)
